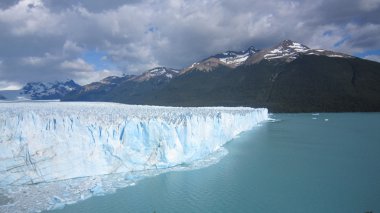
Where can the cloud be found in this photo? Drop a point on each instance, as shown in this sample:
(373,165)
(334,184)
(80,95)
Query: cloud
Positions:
(78,64)
(83,77)
(31,17)
(70,47)
(46,40)
(369,5)
(39,61)
(85,73)
(8,85)
(373,57)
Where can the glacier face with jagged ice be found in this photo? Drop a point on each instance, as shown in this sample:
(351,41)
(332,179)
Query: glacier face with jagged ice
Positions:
(44,142)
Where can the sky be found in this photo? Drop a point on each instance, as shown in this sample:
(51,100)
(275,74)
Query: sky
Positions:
(87,40)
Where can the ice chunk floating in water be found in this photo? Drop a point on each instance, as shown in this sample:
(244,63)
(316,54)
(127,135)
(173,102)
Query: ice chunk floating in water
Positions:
(44,142)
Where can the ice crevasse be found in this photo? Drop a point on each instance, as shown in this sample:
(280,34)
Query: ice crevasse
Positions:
(42,142)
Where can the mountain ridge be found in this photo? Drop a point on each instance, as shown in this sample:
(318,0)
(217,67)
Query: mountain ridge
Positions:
(49,90)
(288,77)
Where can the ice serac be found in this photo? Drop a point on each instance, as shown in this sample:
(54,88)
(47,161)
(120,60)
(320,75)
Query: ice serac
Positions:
(41,142)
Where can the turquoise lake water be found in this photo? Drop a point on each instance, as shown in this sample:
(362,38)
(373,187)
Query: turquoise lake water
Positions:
(296,164)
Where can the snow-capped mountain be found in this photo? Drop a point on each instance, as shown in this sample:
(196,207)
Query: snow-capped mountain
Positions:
(285,51)
(288,51)
(49,90)
(230,59)
(155,73)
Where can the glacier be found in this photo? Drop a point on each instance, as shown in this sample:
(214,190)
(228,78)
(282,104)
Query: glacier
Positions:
(46,142)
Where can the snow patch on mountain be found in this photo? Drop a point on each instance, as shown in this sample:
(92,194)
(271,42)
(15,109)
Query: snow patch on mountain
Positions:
(286,49)
(229,59)
(163,73)
(235,58)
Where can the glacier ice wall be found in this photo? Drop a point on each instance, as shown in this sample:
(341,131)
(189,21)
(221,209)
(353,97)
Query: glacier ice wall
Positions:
(42,142)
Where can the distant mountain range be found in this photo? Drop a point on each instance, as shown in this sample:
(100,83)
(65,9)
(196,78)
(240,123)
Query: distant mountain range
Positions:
(130,87)
(56,90)
(289,77)
(41,91)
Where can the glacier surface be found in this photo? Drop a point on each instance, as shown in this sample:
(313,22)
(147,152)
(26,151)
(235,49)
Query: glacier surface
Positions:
(45,142)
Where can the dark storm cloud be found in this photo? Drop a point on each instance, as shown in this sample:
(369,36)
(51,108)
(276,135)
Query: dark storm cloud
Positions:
(47,40)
